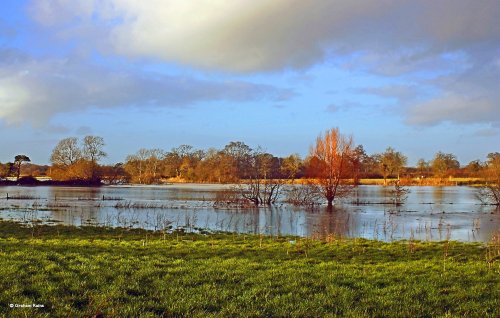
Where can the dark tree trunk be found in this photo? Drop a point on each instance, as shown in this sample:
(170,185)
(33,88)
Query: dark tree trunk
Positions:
(330,202)
(18,171)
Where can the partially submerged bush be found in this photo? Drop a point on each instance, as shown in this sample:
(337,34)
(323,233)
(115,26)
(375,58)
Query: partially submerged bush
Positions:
(230,198)
(399,194)
(489,194)
(303,195)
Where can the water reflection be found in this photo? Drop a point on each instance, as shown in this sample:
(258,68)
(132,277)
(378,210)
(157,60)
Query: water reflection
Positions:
(438,195)
(431,213)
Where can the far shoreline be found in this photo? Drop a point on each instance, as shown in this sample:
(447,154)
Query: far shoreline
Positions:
(30,181)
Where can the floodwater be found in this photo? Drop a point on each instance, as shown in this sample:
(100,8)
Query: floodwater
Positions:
(430,213)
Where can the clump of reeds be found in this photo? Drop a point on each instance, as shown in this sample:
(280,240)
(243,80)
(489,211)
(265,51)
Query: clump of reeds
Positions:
(493,251)
(140,205)
(57,205)
(306,196)
(86,199)
(103,198)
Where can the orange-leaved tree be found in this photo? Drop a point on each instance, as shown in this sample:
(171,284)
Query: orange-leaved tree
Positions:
(328,163)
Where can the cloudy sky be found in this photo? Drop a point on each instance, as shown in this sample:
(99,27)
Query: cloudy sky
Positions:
(420,76)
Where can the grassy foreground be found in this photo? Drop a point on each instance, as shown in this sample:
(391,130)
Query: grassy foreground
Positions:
(81,272)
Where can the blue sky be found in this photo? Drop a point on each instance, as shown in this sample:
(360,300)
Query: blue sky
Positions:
(419,76)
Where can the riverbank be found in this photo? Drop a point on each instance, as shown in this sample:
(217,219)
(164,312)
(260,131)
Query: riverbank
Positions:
(375,181)
(80,272)
(45,181)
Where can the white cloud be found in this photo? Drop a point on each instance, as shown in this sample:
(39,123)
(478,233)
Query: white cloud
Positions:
(33,91)
(402,93)
(458,39)
(261,35)
(469,96)
(453,108)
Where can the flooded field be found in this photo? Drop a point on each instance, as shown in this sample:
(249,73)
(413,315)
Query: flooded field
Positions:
(430,213)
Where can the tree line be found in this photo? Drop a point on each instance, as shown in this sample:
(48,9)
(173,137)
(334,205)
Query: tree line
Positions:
(234,162)
(72,159)
(332,168)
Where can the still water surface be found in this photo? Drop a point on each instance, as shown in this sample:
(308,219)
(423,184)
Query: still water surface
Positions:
(430,213)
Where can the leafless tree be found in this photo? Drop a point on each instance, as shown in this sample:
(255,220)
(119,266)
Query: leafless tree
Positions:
(66,152)
(92,148)
(490,192)
(135,165)
(154,162)
(71,162)
(93,152)
(308,195)
(264,183)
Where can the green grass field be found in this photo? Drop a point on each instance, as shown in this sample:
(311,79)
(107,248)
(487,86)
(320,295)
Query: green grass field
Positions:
(79,272)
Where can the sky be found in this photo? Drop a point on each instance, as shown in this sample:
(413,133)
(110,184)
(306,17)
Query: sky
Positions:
(418,76)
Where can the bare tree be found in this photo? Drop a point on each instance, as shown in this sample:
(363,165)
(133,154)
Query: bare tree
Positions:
(270,177)
(328,163)
(263,184)
(92,148)
(303,195)
(153,167)
(490,192)
(135,165)
(66,152)
(93,152)
(73,162)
